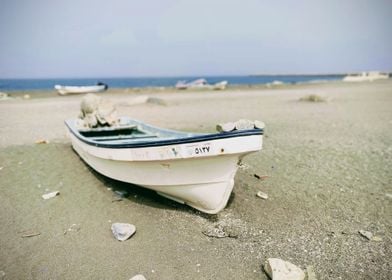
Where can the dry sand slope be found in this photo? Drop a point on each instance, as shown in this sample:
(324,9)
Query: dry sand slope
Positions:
(329,166)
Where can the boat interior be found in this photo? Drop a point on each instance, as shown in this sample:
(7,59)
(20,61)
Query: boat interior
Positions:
(130,132)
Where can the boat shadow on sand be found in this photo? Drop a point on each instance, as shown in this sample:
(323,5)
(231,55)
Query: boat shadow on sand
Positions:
(137,194)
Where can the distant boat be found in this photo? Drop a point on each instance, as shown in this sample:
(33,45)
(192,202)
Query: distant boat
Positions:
(220,86)
(201,84)
(191,168)
(64,90)
(366,77)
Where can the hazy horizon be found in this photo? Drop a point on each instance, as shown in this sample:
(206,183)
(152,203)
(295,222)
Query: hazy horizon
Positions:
(180,76)
(70,39)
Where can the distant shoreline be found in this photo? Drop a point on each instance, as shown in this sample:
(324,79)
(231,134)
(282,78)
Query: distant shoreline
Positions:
(52,93)
(8,85)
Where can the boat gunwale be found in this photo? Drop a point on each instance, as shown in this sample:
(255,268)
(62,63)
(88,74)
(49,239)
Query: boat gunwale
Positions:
(165,142)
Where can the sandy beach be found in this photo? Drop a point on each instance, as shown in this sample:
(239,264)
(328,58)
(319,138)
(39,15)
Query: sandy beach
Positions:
(328,175)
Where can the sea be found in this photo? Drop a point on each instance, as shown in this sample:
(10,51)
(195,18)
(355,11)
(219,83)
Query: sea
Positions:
(7,85)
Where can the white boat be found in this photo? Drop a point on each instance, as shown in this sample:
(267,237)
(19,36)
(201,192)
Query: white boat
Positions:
(195,169)
(201,84)
(220,86)
(64,90)
(366,77)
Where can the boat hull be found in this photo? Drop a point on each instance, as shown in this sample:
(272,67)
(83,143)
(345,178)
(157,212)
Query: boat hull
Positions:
(186,173)
(366,77)
(65,90)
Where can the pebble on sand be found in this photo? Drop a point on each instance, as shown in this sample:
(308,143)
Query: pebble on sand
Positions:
(41,141)
(50,195)
(262,195)
(366,234)
(377,238)
(138,277)
(123,231)
(278,269)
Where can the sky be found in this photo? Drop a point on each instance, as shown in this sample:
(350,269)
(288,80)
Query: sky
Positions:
(129,38)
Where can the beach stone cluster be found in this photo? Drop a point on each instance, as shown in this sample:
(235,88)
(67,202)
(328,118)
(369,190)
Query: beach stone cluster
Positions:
(95,112)
(242,124)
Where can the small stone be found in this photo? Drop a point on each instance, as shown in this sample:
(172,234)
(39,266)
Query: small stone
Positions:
(216,231)
(244,124)
(366,234)
(121,193)
(72,228)
(26,96)
(259,124)
(278,269)
(243,166)
(376,238)
(225,127)
(389,195)
(138,277)
(222,230)
(50,195)
(262,195)
(41,141)
(123,231)
(2,274)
